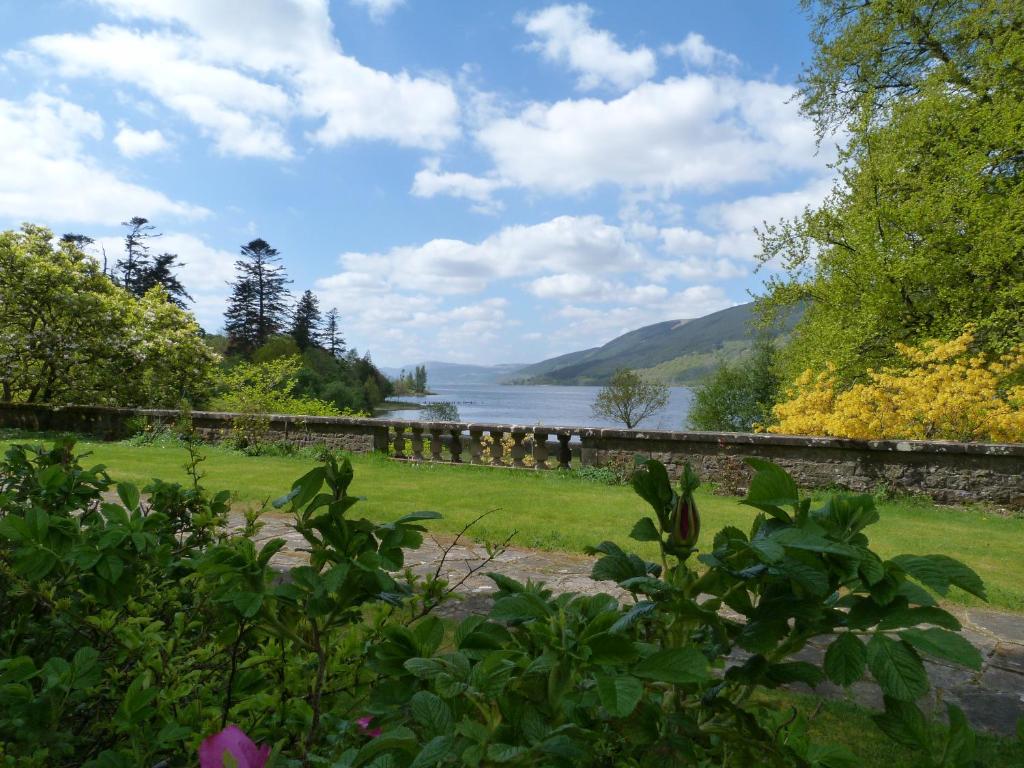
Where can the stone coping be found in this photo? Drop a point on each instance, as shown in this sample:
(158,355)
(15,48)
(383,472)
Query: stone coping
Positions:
(723,439)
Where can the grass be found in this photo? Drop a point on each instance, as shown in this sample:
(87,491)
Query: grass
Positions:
(559,511)
(848,725)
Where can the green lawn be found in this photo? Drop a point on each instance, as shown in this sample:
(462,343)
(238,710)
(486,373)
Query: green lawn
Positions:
(559,511)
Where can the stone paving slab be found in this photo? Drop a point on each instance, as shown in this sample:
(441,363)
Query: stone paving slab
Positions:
(992,699)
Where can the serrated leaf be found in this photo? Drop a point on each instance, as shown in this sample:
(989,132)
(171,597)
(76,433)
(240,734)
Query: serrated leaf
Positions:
(619,695)
(940,571)
(770,489)
(645,530)
(430,711)
(944,644)
(505,753)
(520,607)
(433,752)
(611,648)
(675,665)
(911,617)
(129,496)
(904,723)
(896,667)
(845,660)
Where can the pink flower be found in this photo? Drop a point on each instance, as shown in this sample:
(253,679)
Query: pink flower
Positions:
(232,741)
(364,727)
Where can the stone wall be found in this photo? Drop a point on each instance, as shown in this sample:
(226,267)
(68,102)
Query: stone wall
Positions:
(948,472)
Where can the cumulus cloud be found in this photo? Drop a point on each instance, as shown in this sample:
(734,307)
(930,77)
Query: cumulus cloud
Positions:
(242,72)
(564,35)
(695,51)
(695,133)
(47,174)
(379,10)
(132,143)
(431,181)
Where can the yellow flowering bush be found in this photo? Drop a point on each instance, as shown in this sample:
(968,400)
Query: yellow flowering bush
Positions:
(942,391)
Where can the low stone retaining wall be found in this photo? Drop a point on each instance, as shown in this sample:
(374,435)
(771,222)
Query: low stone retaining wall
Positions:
(945,471)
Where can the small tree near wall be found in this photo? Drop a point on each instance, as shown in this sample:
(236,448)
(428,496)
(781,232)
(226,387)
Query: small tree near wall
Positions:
(629,398)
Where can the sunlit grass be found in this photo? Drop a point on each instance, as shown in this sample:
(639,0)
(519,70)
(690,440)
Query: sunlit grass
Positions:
(559,511)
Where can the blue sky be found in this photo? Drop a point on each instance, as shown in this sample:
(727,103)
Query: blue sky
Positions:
(464,180)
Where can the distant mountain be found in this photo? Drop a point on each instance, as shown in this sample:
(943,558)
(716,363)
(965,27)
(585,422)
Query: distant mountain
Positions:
(440,374)
(676,351)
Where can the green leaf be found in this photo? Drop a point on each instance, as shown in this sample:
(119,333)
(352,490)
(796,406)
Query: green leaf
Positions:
(845,659)
(788,672)
(652,484)
(505,753)
(634,614)
(940,571)
(521,607)
(433,752)
(897,668)
(610,648)
(129,496)
(961,742)
(110,567)
(645,530)
(619,695)
(944,644)
(414,516)
(430,711)
(247,603)
(905,724)
(771,488)
(676,665)
(38,523)
(911,617)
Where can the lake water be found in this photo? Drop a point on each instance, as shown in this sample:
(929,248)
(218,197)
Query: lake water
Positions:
(547,405)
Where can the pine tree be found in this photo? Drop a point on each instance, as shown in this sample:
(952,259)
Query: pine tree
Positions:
(421,378)
(332,339)
(160,272)
(258,307)
(136,253)
(306,321)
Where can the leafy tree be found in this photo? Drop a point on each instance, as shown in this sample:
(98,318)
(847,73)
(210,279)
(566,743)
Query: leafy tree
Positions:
(136,253)
(421,380)
(267,387)
(68,334)
(161,272)
(629,398)
(738,396)
(306,321)
(332,340)
(258,307)
(921,234)
(442,410)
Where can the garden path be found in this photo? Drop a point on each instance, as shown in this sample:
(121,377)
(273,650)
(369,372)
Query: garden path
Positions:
(992,699)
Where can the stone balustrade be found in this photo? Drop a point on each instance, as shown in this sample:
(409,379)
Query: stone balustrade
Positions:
(947,472)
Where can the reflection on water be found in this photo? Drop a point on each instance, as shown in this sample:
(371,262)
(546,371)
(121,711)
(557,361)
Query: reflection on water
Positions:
(547,405)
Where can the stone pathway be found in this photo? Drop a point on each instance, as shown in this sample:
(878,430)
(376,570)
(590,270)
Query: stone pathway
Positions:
(992,699)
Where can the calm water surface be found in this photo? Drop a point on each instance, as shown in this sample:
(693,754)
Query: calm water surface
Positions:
(547,405)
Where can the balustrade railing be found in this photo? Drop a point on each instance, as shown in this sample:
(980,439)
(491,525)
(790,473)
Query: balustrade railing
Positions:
(499,445)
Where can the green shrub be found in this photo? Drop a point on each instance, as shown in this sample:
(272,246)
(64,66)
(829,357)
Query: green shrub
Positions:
(738,396)
(134,629)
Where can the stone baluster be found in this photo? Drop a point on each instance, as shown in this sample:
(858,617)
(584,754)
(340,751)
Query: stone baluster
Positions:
(476,447)
(540,449)
(399,441)
(417,443)
(435,443)
(564,451)
(518,451)
(456,445)
(496,448)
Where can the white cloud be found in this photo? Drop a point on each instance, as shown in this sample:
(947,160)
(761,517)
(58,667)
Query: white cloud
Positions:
(242,72)
(563,34)
(47,175)
(431,181)
(378,9)
(445,266)
(585,287)
(694,133)
(132,143)
(695,51)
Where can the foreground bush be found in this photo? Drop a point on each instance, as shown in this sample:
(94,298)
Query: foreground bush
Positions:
(135,631)
(942,391)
